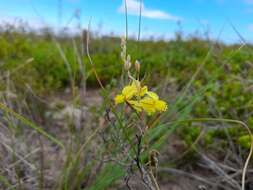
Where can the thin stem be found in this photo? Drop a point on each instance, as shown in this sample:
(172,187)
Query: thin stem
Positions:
(154,180)
(126,19)
(140,14)
(89,57)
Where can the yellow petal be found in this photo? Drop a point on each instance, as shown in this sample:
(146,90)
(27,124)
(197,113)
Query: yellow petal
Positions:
(161,105)
(148,105)
(143,91)
(129,91)
(152,95)
(136,105)
(119,99)
(147,101)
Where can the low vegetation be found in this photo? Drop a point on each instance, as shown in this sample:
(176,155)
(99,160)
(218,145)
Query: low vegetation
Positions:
(83,112)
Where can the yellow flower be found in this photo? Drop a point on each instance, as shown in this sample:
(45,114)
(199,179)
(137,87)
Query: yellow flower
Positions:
(152,104)
(130,91)
(140,99)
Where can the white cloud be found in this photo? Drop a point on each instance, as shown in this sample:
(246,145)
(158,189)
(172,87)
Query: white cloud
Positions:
(248,1)
(250,27)
(16,21)
(133,8)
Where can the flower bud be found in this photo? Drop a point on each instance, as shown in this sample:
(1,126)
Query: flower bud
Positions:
(123,49)
(137,66)
(123,42)
(122,55)
(128,64)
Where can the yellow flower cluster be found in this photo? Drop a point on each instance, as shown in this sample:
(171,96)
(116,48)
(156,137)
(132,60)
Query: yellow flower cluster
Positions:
(140,99)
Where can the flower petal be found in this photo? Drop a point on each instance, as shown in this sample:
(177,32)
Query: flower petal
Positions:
(148,105)
(119,99)
(161,105)
(152,95)
(129,91)
(136,105)
(143,91)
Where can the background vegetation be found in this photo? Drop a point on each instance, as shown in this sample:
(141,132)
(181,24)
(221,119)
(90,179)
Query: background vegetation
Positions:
(48,81)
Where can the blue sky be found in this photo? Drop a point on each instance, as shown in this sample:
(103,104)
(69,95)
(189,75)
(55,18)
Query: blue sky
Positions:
(160,17)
